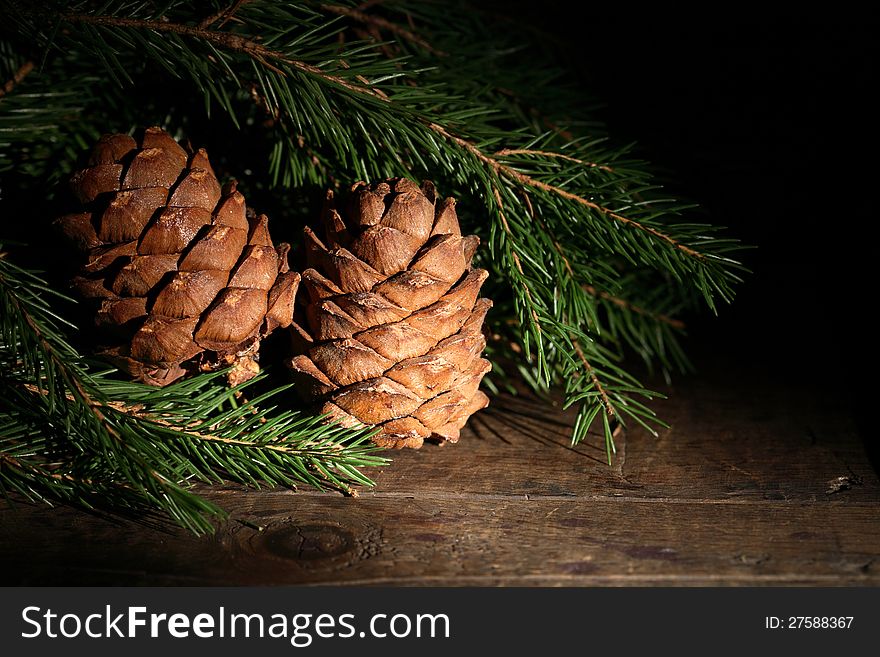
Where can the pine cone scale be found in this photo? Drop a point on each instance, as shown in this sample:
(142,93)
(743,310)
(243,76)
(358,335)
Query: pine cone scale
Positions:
(393,320)
(218,247)
(186,281)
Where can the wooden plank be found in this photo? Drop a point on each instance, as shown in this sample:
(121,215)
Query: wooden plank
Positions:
(453,540)
(728,439)
(741,489)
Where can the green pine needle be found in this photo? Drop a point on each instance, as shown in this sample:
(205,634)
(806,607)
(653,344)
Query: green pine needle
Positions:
(71,432)
(590,260)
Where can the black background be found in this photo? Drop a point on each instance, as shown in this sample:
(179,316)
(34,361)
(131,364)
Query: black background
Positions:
(767,119)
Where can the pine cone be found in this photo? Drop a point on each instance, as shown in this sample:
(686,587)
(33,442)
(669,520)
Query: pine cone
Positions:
(394,321)
(184,279)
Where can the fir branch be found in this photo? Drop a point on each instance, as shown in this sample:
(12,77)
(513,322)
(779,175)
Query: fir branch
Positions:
(383,24)
(606,403)
(469,120)
(42,126)
(626,305)
(224,15)
(183,430)
(528,181)
(227,40)
(535,319)
(263,55)
(150,441)
(590,289)
(608,408)
(507,152)
(17,77)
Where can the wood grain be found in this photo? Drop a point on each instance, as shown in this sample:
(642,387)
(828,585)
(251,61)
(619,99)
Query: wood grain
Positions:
(743,488)
(389,539)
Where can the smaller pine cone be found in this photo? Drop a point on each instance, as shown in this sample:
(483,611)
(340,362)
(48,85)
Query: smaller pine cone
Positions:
(394,323)
(183,277)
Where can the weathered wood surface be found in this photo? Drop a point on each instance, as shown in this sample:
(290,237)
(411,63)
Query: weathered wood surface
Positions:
(743,488)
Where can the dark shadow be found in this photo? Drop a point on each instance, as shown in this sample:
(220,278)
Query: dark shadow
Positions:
(97,507)
(531,408)
(511,421)
(482,429)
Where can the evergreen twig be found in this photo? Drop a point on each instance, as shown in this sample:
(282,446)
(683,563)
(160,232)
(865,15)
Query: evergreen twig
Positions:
(17,77)
(60,419)
(341,91)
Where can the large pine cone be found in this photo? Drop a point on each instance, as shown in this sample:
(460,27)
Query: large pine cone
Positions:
(394,321)
(185,280)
